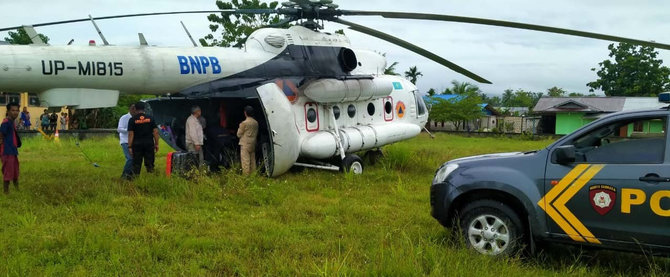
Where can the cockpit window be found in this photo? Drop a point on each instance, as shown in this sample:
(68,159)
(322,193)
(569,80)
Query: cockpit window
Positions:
(420,105)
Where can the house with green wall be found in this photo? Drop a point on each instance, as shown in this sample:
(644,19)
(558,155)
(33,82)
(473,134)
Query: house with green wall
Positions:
(563,115)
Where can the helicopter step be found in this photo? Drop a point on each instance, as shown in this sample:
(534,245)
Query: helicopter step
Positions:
(351,163)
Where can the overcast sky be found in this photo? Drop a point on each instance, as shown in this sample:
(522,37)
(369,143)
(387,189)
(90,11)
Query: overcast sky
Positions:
(510,58)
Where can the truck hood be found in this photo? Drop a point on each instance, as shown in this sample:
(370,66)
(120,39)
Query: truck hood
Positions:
(487,156)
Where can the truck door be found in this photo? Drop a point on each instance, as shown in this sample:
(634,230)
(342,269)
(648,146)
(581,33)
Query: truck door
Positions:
(284,144)
(610,194)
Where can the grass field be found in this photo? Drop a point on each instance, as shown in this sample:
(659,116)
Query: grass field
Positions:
(71,218)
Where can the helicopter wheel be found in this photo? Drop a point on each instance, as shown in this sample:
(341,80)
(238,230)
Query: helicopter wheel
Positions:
(352,163)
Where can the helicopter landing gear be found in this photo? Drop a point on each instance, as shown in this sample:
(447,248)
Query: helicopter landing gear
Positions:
(374,156)
(352,163)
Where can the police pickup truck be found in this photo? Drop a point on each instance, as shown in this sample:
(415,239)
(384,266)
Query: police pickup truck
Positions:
(606,185)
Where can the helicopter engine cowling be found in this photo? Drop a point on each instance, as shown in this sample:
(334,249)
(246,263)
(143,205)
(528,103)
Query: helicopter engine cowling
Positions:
(323,144)
(337,91)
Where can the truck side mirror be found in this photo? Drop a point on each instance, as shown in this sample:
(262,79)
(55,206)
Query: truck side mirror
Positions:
(565,154)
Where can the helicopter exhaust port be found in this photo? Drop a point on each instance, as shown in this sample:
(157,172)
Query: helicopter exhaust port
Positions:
(347,59)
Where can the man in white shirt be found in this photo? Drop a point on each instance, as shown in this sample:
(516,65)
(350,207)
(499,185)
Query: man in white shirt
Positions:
(194,135)
(123,139)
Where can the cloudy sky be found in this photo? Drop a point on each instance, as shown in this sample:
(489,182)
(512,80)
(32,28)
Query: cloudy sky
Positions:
(511,59)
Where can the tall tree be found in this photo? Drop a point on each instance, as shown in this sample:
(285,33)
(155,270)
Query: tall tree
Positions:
(634,71)
(494,101)
(556,92)
(520,98)
(413,74)
(456,110)
(463,88)
(21,37)
(390,70)
(507,96)
(431,92)
(236,28)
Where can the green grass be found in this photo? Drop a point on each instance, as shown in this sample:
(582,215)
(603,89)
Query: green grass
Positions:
(70,218)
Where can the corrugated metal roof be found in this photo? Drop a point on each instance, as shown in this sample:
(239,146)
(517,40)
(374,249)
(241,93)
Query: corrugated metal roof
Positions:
(579,104)
(443,96)
(640,103)
(513,109)
(596,104)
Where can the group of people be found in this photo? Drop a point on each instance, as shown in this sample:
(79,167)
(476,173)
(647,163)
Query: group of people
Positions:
(10,142)
(138,136)
(48,122)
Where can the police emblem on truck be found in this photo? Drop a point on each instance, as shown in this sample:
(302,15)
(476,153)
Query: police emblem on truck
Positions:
(603,198)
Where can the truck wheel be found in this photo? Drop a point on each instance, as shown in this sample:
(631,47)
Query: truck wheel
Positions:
(492,228)
(352,163)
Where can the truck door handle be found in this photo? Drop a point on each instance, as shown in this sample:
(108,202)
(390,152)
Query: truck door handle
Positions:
(654,178)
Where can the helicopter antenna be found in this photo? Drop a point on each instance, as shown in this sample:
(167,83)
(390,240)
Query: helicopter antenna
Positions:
(98,29)
(143,40)
(188,34)
(34,37)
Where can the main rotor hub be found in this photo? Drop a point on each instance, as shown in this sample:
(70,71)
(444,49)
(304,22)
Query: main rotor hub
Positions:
(311,10)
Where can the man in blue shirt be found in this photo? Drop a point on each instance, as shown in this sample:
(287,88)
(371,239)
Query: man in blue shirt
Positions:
(10,142)
(123,139)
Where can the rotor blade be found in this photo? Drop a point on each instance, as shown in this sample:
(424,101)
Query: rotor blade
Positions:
(413,48)
(491,22)
(248,11)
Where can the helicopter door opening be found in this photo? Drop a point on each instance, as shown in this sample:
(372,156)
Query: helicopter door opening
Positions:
(222,117)
(284,139)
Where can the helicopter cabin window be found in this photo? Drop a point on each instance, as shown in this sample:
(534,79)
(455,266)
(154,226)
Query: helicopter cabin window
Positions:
(420,105)
(311,115)
(336,112)
(371,108)
(388,107)
(351,110)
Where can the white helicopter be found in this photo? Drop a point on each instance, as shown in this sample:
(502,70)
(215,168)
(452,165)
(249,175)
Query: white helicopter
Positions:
(319,100)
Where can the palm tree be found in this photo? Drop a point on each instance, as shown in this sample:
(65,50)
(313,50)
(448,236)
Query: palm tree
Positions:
(556,92)
(390,70)
(413,74)
(463,88)
(507,98)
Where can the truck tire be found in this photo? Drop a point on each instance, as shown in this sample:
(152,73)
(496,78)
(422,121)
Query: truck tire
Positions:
(492,228)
